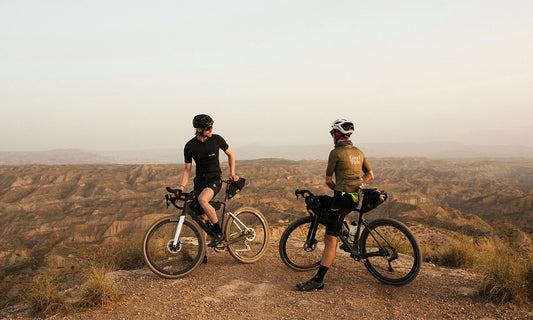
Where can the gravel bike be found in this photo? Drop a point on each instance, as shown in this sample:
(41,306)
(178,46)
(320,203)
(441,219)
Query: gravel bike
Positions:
(175,246)
(387,247)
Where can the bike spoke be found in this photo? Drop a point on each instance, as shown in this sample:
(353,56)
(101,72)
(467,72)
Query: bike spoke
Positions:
(296,251)
(392,253)
(168,257)
(247,234)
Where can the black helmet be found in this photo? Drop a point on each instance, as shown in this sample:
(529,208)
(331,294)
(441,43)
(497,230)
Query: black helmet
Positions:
(202,121)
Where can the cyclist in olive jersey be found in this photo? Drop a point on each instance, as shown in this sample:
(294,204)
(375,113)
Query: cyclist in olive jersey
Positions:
(204,149)
(351,170)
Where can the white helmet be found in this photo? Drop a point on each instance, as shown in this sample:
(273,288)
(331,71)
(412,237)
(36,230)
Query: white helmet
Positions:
(343,126)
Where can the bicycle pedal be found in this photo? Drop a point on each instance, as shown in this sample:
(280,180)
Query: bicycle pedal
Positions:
(357,258)
(344,247)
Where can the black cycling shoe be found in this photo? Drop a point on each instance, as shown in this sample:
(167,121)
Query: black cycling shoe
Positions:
(218,238)
(310,285)
(344,247)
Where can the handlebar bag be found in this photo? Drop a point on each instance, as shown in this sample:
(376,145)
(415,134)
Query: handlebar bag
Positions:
(235,187)
(319,205)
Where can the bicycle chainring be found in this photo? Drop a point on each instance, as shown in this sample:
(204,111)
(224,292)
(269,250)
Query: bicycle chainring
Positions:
(250,234)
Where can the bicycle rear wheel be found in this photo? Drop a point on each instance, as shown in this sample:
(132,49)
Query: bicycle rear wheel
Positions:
(295,252)
(398,259)
(173,260)
(253,233)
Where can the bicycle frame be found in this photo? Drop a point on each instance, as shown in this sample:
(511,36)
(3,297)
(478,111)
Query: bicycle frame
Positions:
(353,248)
(188,199)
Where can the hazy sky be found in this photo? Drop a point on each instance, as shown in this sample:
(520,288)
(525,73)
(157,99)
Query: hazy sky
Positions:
(105,75)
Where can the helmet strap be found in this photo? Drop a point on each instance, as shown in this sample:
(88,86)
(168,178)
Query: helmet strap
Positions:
(200,133)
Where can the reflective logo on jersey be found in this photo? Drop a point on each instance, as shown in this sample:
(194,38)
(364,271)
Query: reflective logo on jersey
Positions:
(355,159)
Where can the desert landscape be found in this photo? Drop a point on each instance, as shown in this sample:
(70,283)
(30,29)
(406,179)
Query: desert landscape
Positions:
(57,220)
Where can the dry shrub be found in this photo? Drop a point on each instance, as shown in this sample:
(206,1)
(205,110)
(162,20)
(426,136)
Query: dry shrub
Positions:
(507,273)
(98,290)
(127,255)
(43,295)
(459,253)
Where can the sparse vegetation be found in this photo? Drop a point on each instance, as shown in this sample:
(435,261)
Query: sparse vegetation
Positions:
(43,295)
(459,253)
(125,254)
(45,207)
(98,290)
(507,273)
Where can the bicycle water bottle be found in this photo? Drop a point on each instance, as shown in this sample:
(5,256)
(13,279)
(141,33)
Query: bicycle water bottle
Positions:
(353,231)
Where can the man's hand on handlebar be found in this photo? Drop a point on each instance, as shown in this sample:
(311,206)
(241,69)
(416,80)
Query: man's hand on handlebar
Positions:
(175,191)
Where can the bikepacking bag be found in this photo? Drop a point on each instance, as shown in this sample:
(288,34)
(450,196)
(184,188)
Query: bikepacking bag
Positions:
(319,205)
(372,197)
(235,187)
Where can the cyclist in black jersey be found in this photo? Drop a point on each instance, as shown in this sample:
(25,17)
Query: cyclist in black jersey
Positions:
(204,150)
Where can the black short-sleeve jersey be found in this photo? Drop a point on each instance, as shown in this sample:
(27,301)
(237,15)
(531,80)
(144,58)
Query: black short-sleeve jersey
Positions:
(205,154)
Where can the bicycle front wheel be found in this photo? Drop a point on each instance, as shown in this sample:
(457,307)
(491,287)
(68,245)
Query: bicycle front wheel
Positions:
(248,233)
(394,256)
(169,259)
(294,249)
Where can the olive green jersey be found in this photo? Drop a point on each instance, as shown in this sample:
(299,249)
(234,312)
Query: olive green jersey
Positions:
(347,162)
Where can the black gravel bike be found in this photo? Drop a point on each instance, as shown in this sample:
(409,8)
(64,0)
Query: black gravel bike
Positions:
(387,247)
(174,246)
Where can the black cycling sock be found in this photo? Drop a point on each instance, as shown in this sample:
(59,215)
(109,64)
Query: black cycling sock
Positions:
(321,273)
(217,228)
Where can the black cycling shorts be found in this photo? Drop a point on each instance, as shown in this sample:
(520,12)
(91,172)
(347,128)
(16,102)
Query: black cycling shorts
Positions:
(340,207)
(211,181)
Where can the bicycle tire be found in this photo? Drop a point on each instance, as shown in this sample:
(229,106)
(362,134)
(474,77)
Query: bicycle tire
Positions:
(292,248)
(401,259)
(253,246)
(169,261)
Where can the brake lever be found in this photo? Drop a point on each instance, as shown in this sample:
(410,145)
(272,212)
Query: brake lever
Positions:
(167,201)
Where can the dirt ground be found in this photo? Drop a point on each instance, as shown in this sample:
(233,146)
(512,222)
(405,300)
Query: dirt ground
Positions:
(226,289)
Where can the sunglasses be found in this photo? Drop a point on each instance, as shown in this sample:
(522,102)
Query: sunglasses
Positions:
(208,128)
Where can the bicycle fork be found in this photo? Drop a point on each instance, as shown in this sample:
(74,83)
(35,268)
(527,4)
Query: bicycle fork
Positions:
(178,230)
(311,242)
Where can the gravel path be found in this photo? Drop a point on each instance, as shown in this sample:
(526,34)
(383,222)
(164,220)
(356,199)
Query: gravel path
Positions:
(226,289)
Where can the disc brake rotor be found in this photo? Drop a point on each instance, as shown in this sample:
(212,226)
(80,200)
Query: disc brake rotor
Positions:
(174,248)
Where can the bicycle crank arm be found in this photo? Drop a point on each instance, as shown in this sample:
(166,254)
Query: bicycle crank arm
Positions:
(226,243)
